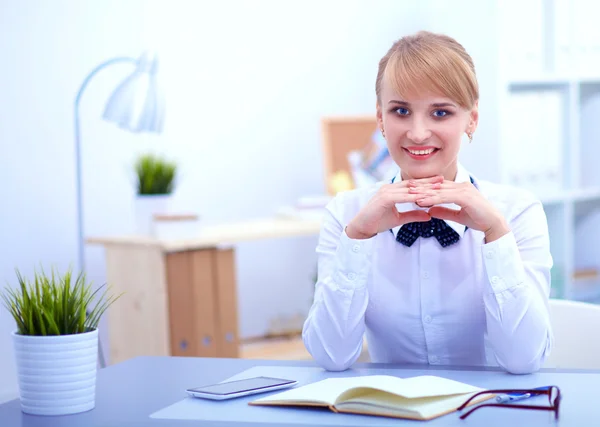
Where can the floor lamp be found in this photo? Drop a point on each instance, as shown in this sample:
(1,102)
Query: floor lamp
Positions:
(136,105)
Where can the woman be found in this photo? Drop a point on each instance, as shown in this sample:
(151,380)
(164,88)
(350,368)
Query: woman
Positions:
(435,266)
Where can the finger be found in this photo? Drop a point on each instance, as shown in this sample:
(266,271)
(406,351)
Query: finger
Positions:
(396,185)
(404,198)
(445,185)
(417,182)
(414,216)
(425,188)
(425,181)
(456,196)
(400,195)
(445,213)
(453,184)
(426,201)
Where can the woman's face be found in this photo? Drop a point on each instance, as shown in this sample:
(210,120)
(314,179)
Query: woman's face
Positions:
(424,132)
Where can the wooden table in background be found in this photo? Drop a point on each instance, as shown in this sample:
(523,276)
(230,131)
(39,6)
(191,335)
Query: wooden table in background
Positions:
(180,295)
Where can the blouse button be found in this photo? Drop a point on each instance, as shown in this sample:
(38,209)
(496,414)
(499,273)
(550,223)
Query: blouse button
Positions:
(351,276)
(355,248)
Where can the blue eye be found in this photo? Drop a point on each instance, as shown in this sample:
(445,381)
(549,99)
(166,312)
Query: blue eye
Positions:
(441,113)
(402,111)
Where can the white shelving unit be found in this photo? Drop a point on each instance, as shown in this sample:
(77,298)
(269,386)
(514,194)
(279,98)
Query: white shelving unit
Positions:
(538,65)
(549,130)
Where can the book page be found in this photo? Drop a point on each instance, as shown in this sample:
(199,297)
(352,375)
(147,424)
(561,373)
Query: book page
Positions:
(414,387)
(334,390)
(323,392)
(381,403)
(428,385)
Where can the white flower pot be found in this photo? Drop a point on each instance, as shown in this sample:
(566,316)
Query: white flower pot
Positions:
(146,206)
(56,374)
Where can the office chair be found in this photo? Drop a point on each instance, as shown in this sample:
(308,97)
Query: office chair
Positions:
(575,325)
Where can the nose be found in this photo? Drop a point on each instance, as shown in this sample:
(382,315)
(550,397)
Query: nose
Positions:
(418,132)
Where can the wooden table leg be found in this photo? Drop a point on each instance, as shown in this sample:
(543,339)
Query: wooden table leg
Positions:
(138,321)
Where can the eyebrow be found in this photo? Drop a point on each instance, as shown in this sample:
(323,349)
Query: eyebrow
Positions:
(436,105)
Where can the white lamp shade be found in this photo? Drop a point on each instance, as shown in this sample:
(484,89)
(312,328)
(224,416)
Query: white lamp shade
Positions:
(138,104)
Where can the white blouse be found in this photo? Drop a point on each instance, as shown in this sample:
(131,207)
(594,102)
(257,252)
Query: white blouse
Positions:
(468,304)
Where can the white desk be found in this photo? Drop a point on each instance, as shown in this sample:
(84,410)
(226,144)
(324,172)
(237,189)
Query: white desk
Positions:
(180,294)
(129,393)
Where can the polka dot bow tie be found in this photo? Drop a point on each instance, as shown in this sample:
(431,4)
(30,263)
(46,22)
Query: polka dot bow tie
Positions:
(435,227)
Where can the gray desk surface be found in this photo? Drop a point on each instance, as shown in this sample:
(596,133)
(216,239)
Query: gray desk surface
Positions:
(129,392)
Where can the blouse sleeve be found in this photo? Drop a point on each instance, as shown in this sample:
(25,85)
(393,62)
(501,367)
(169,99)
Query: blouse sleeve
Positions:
(334,328)
(517,298)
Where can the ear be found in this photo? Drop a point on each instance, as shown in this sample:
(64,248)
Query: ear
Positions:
(473,118)
(379,117)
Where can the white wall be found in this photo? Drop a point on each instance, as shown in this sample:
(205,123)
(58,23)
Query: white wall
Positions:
(247,82)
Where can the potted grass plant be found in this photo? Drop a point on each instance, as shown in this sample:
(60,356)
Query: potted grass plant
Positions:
(155,181)
(56,341)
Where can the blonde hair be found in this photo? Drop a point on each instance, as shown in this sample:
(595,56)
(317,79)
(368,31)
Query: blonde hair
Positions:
(429,61)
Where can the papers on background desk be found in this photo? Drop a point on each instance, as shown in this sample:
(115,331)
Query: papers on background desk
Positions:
(372,163)
(292,212)
(308,208)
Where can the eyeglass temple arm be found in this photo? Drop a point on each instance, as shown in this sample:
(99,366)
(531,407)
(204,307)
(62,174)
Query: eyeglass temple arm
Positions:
(500,405)
(544,390)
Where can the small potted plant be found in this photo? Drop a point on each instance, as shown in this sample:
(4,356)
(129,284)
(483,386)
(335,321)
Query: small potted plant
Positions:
(56,341)
(155,177)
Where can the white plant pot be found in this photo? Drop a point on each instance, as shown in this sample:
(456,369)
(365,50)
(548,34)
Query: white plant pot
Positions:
(146,206)
(56,374)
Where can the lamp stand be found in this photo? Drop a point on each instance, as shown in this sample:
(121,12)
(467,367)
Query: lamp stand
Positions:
(80,234)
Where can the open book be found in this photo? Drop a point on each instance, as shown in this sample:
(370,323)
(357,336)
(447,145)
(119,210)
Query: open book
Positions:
(420,398)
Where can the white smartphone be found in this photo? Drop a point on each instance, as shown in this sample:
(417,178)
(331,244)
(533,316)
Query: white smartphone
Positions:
(233,389)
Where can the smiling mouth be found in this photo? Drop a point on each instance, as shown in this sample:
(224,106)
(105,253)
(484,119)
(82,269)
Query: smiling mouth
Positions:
(425,152)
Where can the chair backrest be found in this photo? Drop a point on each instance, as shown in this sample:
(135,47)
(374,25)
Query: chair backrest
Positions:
(576,327)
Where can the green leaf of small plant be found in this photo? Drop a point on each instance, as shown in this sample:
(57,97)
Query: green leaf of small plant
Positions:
(55,304)
(155,175)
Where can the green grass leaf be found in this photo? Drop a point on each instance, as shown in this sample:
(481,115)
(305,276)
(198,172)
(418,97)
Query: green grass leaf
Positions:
(155,175)
(55,304)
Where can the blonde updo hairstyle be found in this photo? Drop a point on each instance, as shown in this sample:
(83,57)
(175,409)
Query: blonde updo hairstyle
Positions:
(429,62)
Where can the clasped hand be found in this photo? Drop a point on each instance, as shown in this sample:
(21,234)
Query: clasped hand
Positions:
(380,213)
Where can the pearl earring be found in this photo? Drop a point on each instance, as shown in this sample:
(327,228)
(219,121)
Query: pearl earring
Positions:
(470,135)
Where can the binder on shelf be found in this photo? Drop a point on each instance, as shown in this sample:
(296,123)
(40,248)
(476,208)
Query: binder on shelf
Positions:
(191,295)
(224,288)
(586,34)
(203,302)
(535,145)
